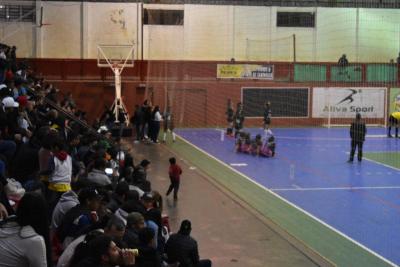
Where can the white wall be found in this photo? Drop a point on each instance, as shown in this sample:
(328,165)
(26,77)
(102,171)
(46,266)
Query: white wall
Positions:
(110,23)
(379,34)
(19,34)
(61,39)
(210,33)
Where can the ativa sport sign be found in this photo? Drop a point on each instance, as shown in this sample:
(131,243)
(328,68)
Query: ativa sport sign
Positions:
(345,102)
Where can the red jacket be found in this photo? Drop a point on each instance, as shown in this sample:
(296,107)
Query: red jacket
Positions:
(175,172)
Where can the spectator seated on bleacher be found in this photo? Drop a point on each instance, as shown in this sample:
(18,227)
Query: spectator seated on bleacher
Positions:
(343,62)
(82,218)
(118,197)
(98,176)
(148,254)
(134,223)
(24,238)
(182,248)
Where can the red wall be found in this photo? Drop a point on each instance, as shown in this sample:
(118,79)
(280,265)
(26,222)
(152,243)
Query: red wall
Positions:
(203,105)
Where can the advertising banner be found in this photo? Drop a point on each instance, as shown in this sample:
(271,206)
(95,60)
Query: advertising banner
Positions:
(245,71)
(345,102)
(394,100)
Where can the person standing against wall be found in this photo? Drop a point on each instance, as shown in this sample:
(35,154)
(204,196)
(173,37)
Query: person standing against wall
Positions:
(358,131)
(239,118)
(229,118)
(267,116)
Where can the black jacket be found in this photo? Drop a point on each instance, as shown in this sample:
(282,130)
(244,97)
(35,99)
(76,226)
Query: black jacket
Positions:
(148,257)
(358,131)
(183,249)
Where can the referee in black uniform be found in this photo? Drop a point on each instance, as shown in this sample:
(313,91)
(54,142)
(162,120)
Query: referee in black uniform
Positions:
(357,134)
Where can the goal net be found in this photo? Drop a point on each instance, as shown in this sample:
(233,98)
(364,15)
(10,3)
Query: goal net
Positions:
(252,59)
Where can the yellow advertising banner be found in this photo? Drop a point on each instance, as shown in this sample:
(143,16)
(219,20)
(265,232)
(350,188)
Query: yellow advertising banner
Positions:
(245,71)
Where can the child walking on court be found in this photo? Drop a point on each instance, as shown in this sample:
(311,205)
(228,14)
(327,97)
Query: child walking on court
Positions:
(174,172)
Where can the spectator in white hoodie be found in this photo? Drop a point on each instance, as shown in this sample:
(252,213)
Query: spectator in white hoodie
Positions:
(24,239)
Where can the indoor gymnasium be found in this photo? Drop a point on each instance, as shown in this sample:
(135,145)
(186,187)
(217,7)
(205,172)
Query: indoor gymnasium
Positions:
(203,133)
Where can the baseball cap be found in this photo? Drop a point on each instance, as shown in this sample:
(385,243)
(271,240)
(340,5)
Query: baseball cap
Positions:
(147,197)
(9,102)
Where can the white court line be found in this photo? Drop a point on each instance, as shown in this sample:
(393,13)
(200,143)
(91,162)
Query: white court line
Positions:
(238,164)
(312,138)
(386,165)
(376,135)
(325,138)
(335,188)
(291,204)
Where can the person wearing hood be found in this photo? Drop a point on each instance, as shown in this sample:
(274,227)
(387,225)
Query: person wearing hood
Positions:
(67,201)
(24,239)
(182,248)
(97,176)
(60,173)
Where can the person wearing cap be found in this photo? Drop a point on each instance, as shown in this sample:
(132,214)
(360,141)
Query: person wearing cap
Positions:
(9,131)
(357,135)
(82,218)
(9,102)
(182,248)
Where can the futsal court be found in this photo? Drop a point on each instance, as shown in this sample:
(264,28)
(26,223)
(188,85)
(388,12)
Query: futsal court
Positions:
(357,202)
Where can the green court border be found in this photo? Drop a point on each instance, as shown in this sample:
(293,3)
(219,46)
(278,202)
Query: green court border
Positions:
(329,244)
(390,159)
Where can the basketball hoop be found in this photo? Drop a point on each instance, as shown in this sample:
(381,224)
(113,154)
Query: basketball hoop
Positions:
(116,57)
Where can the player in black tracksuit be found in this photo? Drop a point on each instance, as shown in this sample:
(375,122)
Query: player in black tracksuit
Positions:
(238,119)
(358,131)
(267,115)
(229,118)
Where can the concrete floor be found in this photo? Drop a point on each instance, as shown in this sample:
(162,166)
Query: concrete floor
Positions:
(228,233)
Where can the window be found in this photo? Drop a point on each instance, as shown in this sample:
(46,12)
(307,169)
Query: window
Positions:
(18,13)
(296,19)
(163,17)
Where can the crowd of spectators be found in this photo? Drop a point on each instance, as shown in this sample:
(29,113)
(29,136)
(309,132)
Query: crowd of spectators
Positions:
(71,195)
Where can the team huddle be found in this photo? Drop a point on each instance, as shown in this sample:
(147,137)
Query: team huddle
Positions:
(260,146)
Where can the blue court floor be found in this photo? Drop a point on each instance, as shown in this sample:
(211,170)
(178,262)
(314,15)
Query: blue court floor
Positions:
(360,200)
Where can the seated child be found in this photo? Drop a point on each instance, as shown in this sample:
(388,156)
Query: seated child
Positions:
(256,145)
(268,149)
(239,141)
(243,142)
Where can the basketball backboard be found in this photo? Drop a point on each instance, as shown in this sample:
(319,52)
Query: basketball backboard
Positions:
(115,56)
